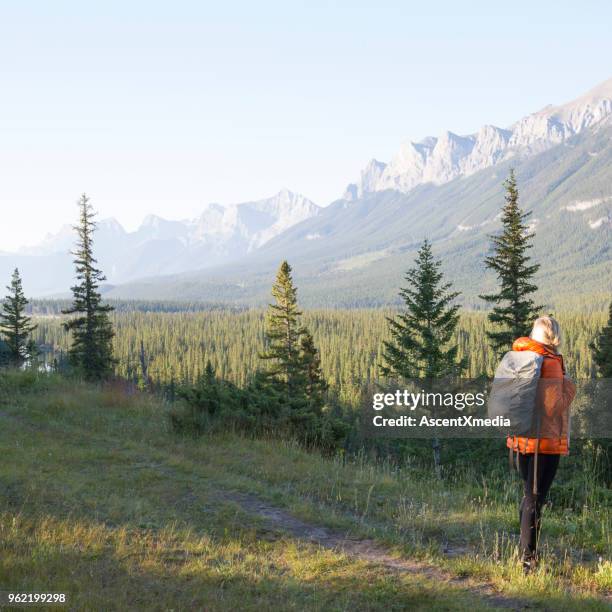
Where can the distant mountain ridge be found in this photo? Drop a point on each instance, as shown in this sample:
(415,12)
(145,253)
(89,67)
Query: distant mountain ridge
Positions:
(220,234)
(440,160)
(251,223)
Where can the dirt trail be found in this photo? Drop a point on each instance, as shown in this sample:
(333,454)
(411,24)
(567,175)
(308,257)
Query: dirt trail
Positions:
(368,550)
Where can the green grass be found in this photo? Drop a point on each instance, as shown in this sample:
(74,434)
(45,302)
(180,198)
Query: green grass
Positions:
(99,500)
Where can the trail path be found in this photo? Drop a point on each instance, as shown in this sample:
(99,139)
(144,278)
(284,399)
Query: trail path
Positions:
(368,550)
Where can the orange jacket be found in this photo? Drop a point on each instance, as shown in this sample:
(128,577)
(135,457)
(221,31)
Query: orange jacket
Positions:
(554,399)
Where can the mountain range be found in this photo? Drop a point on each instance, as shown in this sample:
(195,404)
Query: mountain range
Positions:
(220,234)
(355,251)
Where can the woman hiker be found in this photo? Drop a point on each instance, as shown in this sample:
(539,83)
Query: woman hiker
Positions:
(539,456)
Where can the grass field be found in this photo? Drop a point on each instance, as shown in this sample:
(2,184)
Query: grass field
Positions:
(100,501)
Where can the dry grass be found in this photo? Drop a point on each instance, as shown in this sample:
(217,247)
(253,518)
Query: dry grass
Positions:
(101,501)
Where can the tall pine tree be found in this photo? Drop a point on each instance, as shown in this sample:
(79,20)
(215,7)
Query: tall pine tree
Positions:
(283,336)
(420,336)
(420,345)
(602,349)
(514,310)
(15,326)
(91,352)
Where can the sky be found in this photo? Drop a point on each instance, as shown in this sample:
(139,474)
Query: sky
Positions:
(162,107)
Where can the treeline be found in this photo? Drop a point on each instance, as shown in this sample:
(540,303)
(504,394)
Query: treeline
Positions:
(177,346)
(46,307)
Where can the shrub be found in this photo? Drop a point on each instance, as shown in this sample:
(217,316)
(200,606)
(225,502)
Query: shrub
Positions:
(14,381)
(213,404)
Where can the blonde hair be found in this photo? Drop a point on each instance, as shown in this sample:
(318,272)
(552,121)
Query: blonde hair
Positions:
(547,331)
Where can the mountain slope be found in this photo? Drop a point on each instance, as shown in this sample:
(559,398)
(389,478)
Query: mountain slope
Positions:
(355,252)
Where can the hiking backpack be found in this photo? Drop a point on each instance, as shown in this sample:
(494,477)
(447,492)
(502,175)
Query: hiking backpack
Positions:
(514,396)
(514,392)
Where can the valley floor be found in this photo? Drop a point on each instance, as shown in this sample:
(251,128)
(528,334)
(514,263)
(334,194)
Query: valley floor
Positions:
(100,501)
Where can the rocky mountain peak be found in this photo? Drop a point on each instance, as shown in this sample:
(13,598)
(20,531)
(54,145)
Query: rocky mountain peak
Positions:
(440,160)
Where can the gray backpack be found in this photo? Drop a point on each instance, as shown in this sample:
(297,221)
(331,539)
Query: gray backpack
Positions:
(514,395)
(513,392)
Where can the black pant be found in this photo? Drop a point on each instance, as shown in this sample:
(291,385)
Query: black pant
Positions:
(531,506)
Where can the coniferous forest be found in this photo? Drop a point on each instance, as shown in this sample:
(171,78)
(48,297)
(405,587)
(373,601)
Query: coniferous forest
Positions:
(177,345)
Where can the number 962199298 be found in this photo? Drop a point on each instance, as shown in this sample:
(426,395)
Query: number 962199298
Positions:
(25,598)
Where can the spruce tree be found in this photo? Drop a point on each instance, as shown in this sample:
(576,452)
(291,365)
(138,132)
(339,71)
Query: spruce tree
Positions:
(514,310)
(602,349)
(283,336)
(315,384)
(421,335)
(15,326)
(420,345)
(92,332)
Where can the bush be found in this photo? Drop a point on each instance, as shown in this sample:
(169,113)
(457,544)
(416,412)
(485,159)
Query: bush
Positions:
(14,381)
(213,405)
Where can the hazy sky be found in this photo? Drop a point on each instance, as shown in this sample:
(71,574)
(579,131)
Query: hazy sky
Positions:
(160,107)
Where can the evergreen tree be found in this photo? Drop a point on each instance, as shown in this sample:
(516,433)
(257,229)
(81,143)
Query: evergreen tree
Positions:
(514,310)
(283,335)
(421,335)
(421,344)
(602,349)
(15,326)
(92,332)
(315,385)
